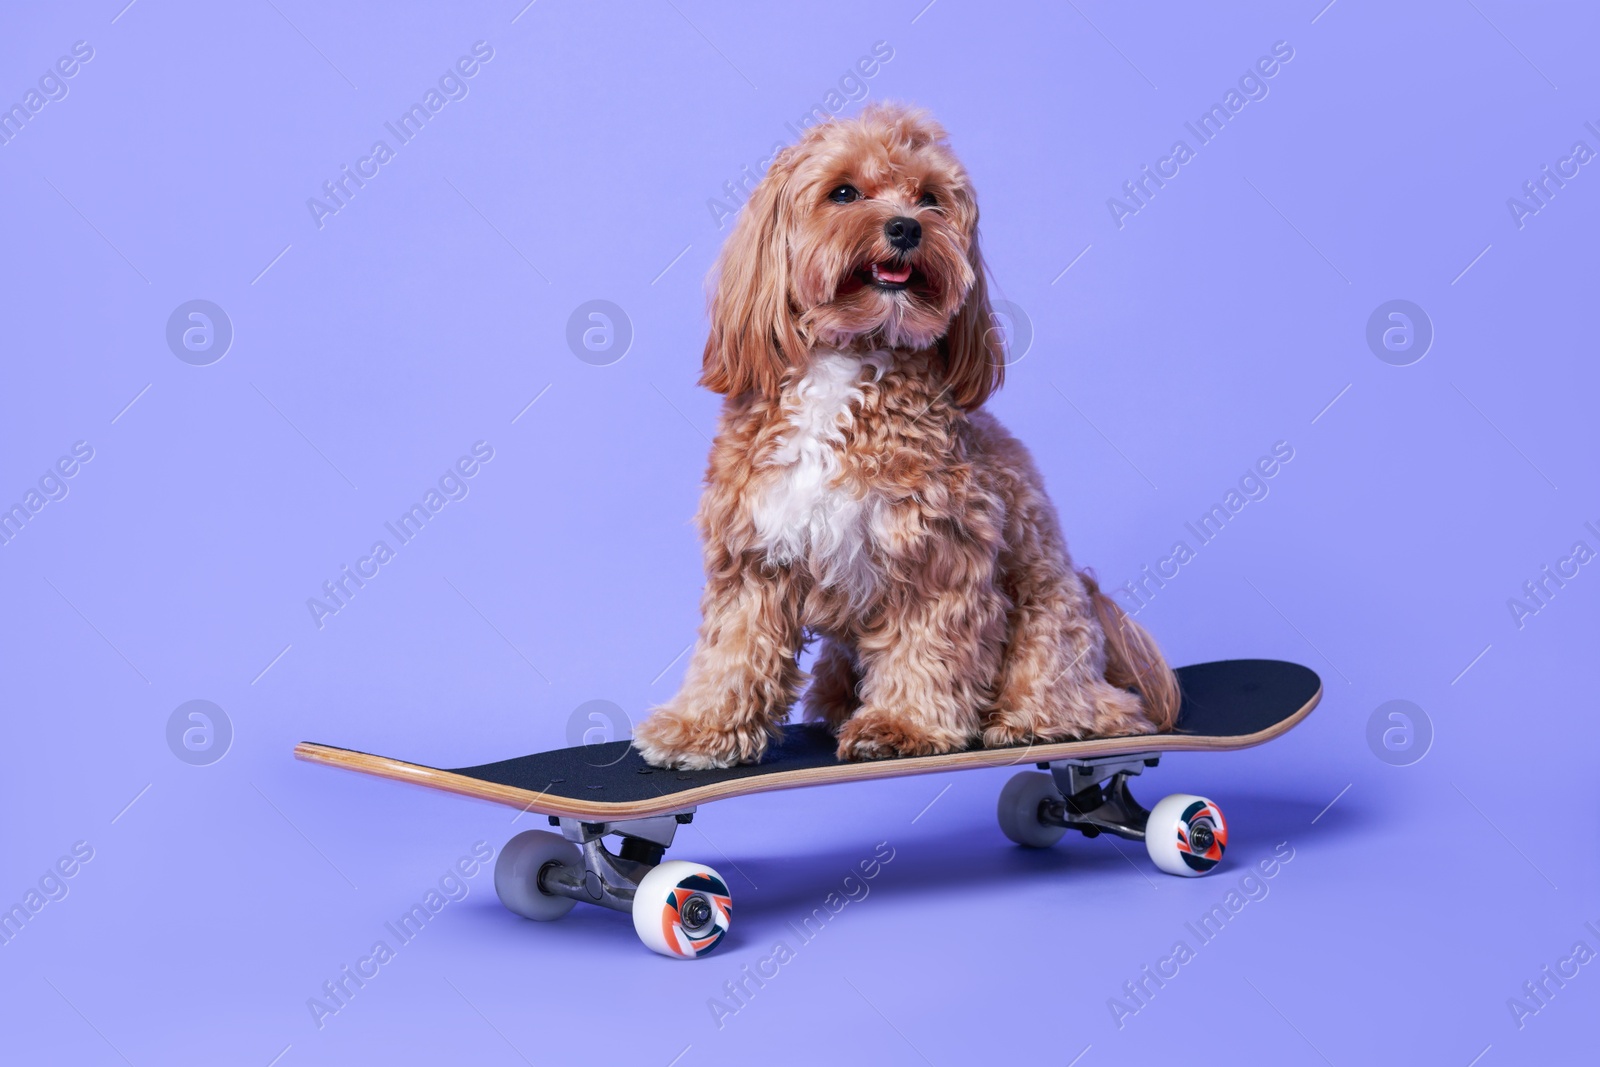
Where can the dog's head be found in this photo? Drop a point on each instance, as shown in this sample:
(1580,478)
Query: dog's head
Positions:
(862,235)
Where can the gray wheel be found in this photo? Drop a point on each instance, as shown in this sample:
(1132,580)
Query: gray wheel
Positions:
(1019,810)
(516,874)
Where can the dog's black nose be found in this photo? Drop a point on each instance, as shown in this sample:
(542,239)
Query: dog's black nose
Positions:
(905,234)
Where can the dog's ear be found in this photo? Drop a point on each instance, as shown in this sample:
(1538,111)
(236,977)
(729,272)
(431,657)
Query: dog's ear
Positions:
(753,337)
(975,360)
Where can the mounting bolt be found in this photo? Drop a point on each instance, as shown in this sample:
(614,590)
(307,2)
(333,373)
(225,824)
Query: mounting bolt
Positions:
(684,817)
(554,820)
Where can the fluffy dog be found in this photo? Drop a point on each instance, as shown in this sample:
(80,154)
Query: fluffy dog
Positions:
(858,492)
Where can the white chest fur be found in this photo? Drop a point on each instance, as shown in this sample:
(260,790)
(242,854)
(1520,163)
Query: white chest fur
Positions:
(803,513)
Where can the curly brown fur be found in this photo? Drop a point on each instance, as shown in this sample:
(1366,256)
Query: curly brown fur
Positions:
(832,697)
(856,491)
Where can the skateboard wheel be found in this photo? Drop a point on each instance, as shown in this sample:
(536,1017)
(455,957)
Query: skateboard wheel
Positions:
(1019,810)
(516,874)
(682,909)
(1186,835)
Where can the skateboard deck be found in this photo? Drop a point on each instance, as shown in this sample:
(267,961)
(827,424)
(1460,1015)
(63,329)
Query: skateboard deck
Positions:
(1227,705)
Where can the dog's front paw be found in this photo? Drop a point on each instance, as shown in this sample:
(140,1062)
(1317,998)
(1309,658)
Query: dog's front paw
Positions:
(672,737)
(873,733)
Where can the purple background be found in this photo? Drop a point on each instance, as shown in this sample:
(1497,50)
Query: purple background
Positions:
(1228,314)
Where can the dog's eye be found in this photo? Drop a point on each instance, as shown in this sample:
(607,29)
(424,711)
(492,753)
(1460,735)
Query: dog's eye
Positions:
(928,200)
(845,194)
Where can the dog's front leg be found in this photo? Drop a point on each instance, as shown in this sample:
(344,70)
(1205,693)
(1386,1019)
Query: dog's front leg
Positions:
(742,678)
(928,667)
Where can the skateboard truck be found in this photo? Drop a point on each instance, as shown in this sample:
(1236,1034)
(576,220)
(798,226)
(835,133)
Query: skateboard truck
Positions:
(1095,797)
(679,908)
(609,879)
(1184,834)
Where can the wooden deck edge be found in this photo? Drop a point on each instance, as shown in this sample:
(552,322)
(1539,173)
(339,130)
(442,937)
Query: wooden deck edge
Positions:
(546,804)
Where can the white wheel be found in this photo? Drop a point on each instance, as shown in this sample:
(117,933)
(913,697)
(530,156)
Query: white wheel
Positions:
(516,874)
(1019,810)
(682,909)
(1186,835)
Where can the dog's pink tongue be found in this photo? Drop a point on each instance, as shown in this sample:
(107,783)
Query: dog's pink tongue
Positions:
(887,273)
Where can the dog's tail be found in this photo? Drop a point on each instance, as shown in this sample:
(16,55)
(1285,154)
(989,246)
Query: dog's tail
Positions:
(1134,660)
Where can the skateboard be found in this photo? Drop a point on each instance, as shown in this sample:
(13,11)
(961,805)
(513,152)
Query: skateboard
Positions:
(683,909)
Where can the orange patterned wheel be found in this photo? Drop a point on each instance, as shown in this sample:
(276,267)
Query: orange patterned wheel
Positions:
(682,909)
(1186,835)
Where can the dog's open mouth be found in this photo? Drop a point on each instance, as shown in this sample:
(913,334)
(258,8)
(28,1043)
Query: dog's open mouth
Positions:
(887,275)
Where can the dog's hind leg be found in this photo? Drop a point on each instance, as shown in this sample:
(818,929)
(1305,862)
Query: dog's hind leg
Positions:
(832,697)
(1053,679)
(1059,680)
(1063,676)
